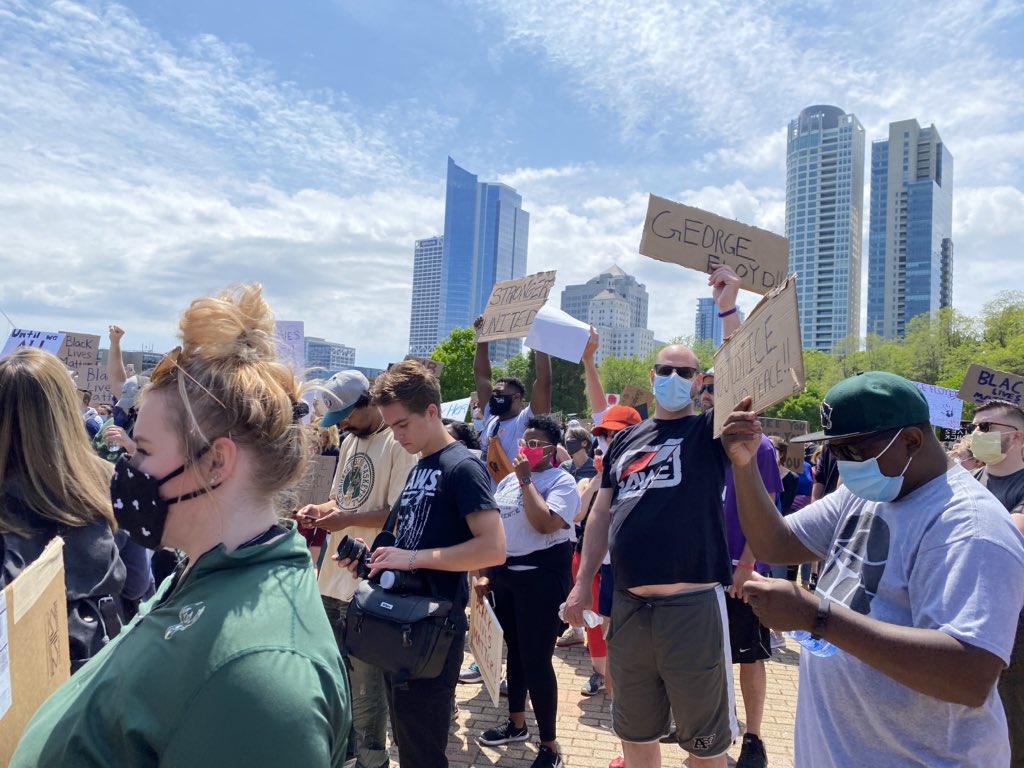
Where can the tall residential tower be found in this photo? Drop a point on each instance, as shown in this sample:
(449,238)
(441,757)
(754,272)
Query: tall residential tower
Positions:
(426,296)
(910,249)
(824,211)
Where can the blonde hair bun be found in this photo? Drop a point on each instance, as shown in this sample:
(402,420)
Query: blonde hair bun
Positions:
(236,324)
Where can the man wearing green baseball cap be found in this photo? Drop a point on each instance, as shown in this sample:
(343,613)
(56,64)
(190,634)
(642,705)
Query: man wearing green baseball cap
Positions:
(920,592)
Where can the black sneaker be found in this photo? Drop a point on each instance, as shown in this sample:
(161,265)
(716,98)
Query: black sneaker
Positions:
(547,758)
(503,734)
(594,685)
(752,755)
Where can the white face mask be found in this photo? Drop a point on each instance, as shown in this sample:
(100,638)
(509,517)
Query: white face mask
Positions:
(602,443)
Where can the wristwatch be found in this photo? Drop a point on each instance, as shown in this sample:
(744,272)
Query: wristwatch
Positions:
(821,620)
(525,481)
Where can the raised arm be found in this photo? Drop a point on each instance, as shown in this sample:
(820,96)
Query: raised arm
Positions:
(725,287)
(540,399)
(116,373)
(595,392)
(482,368)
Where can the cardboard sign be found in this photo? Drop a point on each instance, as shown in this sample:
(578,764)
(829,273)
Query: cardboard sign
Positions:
(50,342)
(35,658)
(559,334)
(455,410)
(634,397)
(433,366)
(700,240)
(763,359)
(80,351)
(945,409)
(319,481)
(513,306)
(291,343)
(94,379)
(983,384)
(786,430)
(485,641)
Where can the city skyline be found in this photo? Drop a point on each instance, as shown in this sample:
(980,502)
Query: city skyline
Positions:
(616,305)
(163,151)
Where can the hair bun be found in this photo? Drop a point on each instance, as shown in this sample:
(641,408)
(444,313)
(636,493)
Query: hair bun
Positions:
(237,324)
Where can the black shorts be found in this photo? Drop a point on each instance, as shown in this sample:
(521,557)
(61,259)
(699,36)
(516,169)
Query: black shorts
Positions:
(605,592)
(749,639)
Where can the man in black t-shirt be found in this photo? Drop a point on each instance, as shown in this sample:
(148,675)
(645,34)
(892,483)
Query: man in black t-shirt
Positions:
(660,507)
(448,524)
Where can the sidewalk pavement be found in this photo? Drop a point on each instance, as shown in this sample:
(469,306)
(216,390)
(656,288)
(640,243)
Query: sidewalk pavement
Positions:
(584,723)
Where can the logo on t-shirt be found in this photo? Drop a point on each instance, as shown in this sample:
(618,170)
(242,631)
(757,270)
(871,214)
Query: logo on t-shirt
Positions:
(356,481)
(651,466)
(416,501)
(854,569)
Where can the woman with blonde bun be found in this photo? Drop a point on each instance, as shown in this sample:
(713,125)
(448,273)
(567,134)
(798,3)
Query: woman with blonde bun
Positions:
(233,662)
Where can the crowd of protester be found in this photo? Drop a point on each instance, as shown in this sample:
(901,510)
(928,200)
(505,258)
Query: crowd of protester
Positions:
(213,621)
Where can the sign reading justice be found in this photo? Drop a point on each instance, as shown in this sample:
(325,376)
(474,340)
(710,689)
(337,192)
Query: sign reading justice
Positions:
(693,238)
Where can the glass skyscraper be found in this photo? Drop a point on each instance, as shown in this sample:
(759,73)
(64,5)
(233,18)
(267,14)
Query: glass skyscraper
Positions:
(426,296)
(910,248)
(708,326)
(824,212)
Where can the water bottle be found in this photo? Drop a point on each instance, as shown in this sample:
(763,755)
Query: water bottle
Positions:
(820,647)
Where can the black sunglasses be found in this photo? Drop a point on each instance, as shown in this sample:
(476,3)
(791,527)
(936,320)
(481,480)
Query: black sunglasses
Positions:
(681,370)
(855,451)
(986,426)
(709,388)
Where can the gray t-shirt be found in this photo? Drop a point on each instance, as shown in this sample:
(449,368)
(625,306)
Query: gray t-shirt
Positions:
(945,557)
(1009,489)
(509,432)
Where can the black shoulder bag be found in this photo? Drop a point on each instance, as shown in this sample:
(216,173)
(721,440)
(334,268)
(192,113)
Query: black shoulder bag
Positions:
(406,635)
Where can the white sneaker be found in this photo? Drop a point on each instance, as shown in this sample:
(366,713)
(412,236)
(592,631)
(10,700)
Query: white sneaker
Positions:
(571,636)
(778,641)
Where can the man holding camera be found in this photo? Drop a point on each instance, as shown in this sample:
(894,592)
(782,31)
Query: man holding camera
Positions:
(372,470)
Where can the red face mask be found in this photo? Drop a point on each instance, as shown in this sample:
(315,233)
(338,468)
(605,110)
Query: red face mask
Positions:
(533,455)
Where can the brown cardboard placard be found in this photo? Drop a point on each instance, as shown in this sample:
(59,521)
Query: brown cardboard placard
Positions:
(316,487)
(634,397)
(94,379)
(486,639)
(786,430)
(982,384)
(80,351)
(763,359)
(704,241)
(35,658)
(513,305)
(433,366)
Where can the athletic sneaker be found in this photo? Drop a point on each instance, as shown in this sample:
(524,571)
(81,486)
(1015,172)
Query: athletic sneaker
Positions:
(547,758)
(504,734)
(571,636)
(618,762)
(778,641)
(594,685)
(752,754)
(472,674)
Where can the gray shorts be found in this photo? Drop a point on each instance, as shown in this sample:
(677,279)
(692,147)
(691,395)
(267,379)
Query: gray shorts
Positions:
(670,656)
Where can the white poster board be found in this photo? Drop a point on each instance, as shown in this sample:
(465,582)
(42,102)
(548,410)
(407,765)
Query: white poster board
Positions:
(45,340)
(945,408)
(291,343)
(456,410)
(486,639)
(559,334)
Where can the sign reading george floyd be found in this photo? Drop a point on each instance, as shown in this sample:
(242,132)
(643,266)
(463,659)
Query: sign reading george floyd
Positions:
(513,306)
(983,384)
(763,359)
(703,241)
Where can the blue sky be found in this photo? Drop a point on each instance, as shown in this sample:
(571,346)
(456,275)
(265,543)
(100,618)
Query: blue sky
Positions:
(152,152)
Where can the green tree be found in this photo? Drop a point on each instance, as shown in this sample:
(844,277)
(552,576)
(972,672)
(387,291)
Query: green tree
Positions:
(456,352)
(568,388)
(617,373)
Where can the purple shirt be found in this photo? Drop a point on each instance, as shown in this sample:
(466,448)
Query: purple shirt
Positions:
(768,465)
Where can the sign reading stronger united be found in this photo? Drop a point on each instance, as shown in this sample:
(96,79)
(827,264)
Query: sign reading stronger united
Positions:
(513,305)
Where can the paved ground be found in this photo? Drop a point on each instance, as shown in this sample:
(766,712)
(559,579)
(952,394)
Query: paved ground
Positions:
(584,724)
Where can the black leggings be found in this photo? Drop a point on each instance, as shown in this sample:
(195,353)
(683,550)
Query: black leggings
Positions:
(526,605)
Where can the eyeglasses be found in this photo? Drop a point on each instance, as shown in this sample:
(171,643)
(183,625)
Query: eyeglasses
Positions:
(682,371)
(856,451)
(986,426)
(709,388)
(166,367)
(533,443)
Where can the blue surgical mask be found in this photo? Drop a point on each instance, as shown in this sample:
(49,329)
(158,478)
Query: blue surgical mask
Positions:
(866,480)
(672,392)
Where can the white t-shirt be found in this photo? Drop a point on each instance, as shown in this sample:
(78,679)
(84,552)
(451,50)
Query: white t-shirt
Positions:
(371,474)
(945,557)
(559,491)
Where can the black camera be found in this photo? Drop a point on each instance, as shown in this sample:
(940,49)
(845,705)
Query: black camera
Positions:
(403,582)
(356,551)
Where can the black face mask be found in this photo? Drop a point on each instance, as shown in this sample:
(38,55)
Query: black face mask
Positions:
(138,506)
(500,404)
(572,446)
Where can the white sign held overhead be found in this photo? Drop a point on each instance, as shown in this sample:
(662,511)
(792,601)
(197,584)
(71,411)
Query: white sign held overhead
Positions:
(456,410)
(558,334)
(945,409)
(20,337)
(291,343)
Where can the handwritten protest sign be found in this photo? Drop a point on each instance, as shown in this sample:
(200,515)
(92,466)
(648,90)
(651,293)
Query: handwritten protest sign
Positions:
(485,641)
(455,409)
(94,379)
(20,337)
(433,366)
(291,343)
(983,384)
(693,238)
(559,334)
(640,399)
(786,430)
(80,351)
(763,359)
(513,305)
(316,486)
(945,409)
(947,435)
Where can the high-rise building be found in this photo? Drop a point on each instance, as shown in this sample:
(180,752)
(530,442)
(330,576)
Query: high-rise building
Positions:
(824,211)
(485,239)
(910,247)
(328,355)
(616,305)
(709,326)
(428,256)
